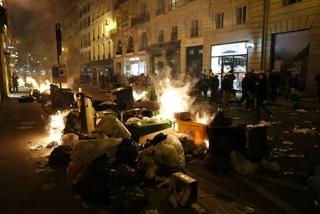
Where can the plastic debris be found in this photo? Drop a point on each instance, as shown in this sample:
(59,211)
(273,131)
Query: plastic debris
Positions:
(241,164)
(288,173)
(168,154)
(112,127)
(70,139)
(301,110)
(261,123)
(270,165)
(249,210)
(60,157)
(285,142)
(312,130)
(86,151)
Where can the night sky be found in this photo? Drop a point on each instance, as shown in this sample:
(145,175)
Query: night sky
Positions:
(29,17)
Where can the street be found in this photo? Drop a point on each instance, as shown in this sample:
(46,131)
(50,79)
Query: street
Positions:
(28,186)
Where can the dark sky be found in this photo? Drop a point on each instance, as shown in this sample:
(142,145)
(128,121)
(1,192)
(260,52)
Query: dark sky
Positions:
(30,18)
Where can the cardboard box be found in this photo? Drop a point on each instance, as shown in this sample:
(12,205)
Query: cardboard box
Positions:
(184,189)
(197,130)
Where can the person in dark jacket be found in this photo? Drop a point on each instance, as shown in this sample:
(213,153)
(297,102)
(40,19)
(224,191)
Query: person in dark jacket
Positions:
(245,91)
(14,80)
(214,87)
(273,81)
(261,93)
(227,88)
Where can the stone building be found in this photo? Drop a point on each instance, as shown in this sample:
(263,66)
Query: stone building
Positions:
(132,37)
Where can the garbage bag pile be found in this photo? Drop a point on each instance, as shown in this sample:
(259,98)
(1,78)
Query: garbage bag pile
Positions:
(115,171)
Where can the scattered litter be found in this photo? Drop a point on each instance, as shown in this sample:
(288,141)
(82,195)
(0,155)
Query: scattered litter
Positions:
(270,138)
(296,156)
(276,122)
(84,204)
(261,123)
(48,186)
(236,118)
(198,208)
(70,139)
(288,173)
(287,142)
(24,127)
(27,123)
(270,165)
(305,130)
(286,132)
(308,121)
(151,211)
(301,110)
(241,164)
(249,210)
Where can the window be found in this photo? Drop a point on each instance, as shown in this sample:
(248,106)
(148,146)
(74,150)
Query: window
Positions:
(160,7)
(144,41)
(174,33)
(194,30)
(286,2)
(130,45)
(161,36)
(241,15)
(173,4)
(219,19)
(119,48)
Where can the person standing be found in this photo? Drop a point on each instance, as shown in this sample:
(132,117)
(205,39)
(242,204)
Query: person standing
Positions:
(14,80)
(273,80)
(245,91)
(226,87)
(214,87)
(261,93)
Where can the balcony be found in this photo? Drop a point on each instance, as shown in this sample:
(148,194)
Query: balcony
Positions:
(179,3)
(140,19)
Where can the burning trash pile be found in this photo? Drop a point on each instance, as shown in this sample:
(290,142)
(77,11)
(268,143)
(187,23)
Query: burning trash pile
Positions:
(115,151)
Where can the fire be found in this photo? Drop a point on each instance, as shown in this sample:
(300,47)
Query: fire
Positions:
(56,127)
(174,99)
(44,87)
(138,96)
(204,117)
(21,82)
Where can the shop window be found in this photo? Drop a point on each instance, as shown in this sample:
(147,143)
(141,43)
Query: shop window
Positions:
(174,33)
(241,15)
(194,30)
(144,41)
(119,48)
(219,20)
(161,36)
(130,45)
(286,2)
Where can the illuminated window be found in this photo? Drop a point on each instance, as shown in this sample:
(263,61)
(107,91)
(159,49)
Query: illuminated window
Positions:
(241,15)
(219,20)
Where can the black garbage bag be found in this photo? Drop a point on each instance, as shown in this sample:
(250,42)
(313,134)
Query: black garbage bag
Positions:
(26,99)
(60,157)
(220,120)
(130,200)
(157,139)
(94,184)
(127,152)
(124,175)
(73,124)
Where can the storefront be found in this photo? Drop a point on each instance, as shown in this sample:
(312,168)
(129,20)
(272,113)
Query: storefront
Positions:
(231,57)
(135,66)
